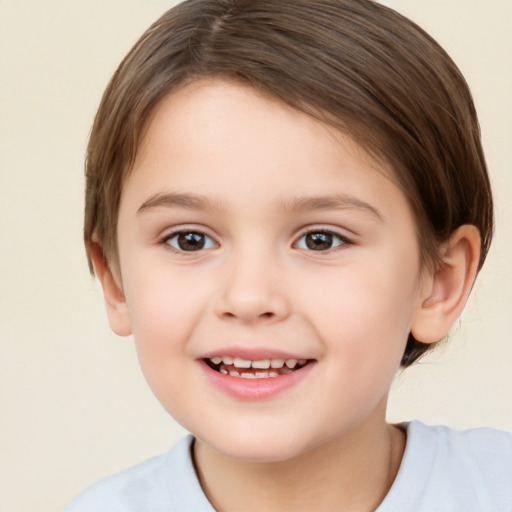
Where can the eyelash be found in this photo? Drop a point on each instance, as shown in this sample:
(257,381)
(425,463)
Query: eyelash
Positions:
(343,240)
(167,239)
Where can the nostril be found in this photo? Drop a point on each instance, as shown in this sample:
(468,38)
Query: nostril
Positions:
(268,314)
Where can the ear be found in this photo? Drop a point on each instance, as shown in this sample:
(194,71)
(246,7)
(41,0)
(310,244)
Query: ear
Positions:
(448,288)
(115,302)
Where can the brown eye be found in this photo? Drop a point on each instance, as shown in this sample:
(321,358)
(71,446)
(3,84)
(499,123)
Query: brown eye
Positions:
(190,241)
(320,241)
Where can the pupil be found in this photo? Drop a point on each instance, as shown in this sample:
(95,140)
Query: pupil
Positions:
(191,241)
(319,241)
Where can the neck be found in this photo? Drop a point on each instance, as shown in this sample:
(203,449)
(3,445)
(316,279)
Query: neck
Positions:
(353,472)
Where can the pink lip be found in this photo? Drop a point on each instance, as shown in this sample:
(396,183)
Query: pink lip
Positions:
(255,389)
(251,353)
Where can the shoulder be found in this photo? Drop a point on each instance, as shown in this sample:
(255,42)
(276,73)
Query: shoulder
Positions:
(450,470)
(486,448)
(165,483)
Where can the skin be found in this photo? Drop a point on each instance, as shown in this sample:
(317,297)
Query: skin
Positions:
(260,168)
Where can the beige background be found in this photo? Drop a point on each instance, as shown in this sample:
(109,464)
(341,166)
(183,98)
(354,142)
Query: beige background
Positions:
(73,404)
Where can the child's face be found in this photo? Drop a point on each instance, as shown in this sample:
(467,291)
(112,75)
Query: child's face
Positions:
(249,230)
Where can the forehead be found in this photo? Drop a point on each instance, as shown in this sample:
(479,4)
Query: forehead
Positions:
(214,137)
(215,117)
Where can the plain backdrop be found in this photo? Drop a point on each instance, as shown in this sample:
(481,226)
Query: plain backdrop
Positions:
(73,404)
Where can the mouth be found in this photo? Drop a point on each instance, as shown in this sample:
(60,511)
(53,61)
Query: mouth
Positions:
(255,369)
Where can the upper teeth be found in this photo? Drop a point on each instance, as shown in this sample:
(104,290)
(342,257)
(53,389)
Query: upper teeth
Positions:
(261,364)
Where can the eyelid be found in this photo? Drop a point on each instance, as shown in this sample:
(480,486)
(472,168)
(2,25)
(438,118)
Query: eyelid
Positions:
(169,235)
(175,231)
(328,230)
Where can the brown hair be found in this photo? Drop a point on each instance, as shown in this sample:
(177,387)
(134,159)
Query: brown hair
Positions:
(354,64)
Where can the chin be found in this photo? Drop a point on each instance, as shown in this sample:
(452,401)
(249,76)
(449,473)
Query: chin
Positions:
(256,445)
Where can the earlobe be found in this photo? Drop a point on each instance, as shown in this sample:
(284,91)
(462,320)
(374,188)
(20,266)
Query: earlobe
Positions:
(115,302)
(449,286)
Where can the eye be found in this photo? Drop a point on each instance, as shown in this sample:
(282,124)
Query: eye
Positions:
(320,241)
(189,241)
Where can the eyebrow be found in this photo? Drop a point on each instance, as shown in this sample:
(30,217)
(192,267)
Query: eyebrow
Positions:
(332,202)
(295,206)
(188,201)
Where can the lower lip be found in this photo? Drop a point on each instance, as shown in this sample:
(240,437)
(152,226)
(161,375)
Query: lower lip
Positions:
(255,389)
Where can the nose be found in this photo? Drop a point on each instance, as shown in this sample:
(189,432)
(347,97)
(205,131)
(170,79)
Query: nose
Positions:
(252,291)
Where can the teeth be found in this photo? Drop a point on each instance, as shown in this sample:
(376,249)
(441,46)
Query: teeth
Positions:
(261,365)
(255,375)
(240,363)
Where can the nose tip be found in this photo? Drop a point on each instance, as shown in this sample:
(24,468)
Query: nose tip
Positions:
(250,311)
(251,296)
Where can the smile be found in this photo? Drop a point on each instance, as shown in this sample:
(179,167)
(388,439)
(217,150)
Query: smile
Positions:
(256,376)
(258,369)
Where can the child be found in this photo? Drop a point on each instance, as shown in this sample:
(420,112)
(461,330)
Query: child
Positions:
(286,202)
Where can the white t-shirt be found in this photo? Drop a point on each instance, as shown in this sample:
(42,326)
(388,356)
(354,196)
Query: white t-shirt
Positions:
(442,470)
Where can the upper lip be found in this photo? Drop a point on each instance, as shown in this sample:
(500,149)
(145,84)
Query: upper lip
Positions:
(252,353)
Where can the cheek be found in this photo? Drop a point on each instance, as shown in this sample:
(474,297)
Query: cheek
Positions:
(163,309)
(364,314)
(163,316)
(364,326)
